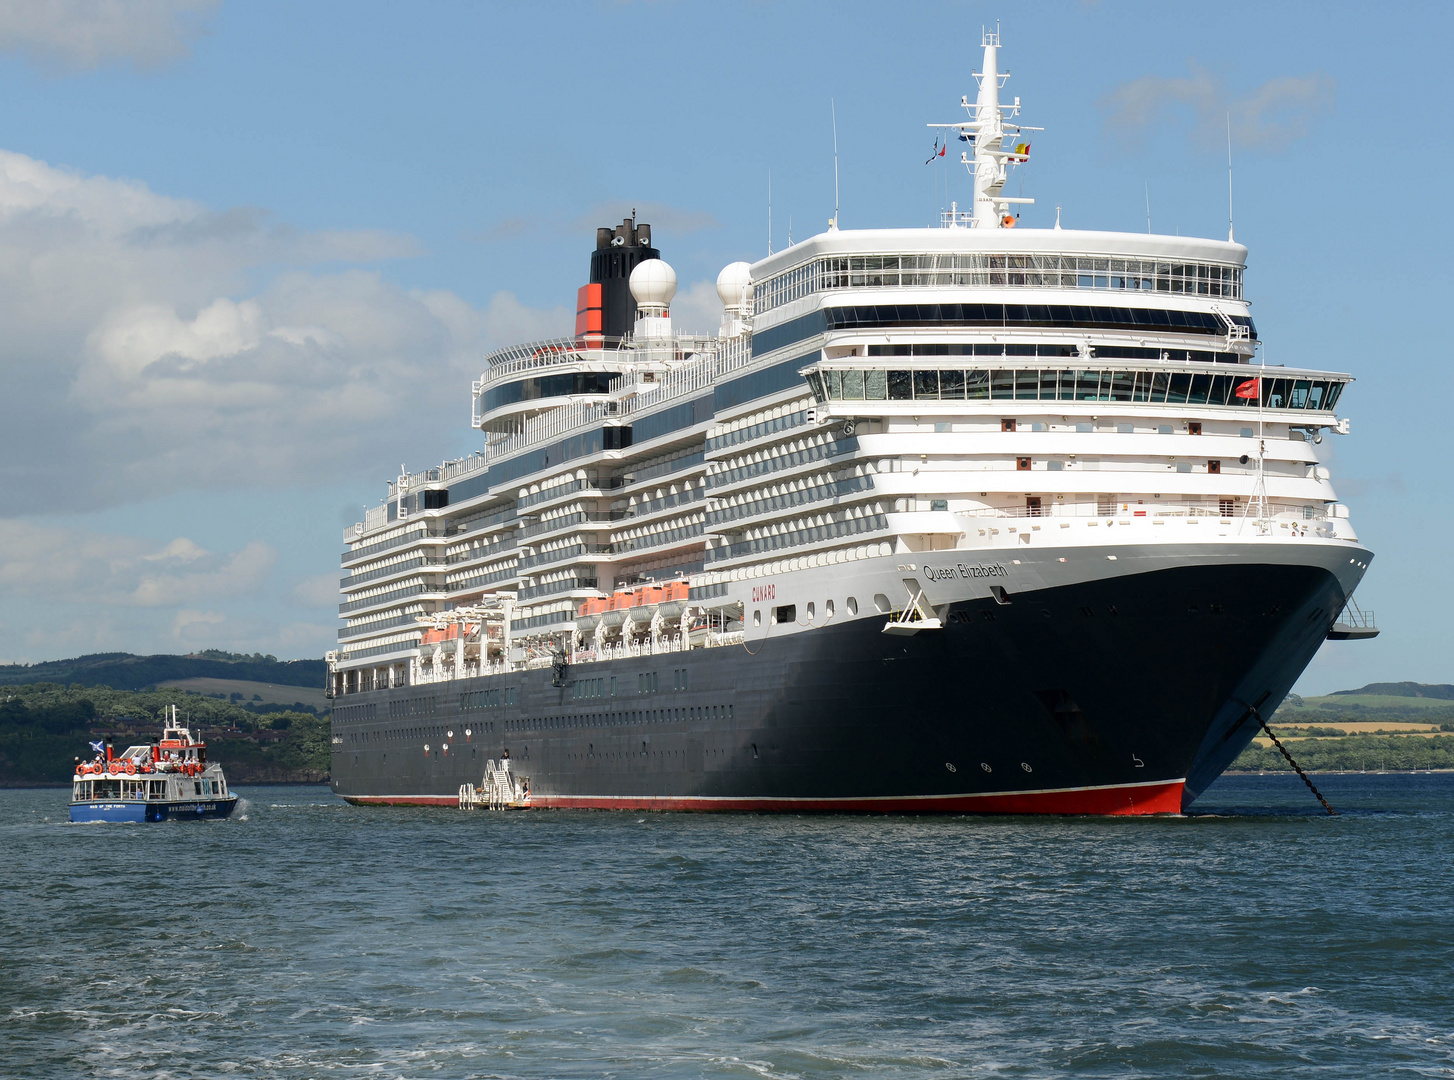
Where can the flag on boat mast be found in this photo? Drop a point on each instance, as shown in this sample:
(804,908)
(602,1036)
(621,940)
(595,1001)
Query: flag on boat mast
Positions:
(938,150)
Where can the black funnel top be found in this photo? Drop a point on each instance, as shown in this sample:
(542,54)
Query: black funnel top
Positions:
(617,253)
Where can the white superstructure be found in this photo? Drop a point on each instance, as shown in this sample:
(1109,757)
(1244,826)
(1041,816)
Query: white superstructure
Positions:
(888,422)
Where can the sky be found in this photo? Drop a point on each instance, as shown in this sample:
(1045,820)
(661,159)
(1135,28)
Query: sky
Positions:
(252,255)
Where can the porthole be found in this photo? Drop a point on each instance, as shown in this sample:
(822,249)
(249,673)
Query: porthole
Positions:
(881,603)
(828,609)
(812,610)
(852,606)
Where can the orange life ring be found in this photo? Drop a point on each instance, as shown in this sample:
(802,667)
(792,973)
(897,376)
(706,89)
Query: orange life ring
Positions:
(131,768)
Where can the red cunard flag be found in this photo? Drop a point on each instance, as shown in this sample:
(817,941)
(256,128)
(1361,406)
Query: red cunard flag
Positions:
(1250,389)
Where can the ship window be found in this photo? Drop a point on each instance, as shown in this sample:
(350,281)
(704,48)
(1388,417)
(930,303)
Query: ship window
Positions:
(1088,386)
(926,386)
(812,609)
(1299,398)
(198,785)
(852,605)
(1122,383)
(881,602)
(853,385)
(785,613)
(1177,389)
(828,609)
(989,350)
(934,504)
(1048,381)
(1002,385)
(834,380)
(756,619)
(1197,394)
(901,387)
(875,386)
(977,385)
(1027,385)
(951,385)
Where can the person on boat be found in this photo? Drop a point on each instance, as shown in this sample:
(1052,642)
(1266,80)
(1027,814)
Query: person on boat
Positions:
(505,754)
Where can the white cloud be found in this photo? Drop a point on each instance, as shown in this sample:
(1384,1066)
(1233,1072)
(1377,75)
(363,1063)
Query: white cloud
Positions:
(1269,117)
(133,324)
(319,591)
(71,566)
(697,309)
(89,33)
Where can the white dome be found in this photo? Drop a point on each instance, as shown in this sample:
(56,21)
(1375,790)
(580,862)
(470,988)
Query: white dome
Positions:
(653,282)
(734,284)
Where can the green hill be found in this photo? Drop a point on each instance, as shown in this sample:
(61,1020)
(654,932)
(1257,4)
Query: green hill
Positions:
(1439,691)
(125,671)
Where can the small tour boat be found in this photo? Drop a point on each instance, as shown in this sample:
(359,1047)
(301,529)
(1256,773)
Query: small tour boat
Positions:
(167,779)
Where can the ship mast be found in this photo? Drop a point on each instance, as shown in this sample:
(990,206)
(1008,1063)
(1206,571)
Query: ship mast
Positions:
(987,131)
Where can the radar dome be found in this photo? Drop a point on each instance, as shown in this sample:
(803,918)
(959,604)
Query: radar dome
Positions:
(734,284)
(653,283)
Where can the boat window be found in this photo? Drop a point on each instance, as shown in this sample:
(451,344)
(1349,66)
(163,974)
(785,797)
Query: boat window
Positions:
(881,602)
(828,609)
(900,386)
(926,386)
(852,605)
(875,387)
(951,385)
(853,385)
(977,385)
(198,785)
(1002,384)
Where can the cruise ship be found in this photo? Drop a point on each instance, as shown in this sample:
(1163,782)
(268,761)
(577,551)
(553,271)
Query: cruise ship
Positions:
(972,518)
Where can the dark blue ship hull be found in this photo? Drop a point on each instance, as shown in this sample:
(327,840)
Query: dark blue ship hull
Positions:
(135,811)
(1125,695)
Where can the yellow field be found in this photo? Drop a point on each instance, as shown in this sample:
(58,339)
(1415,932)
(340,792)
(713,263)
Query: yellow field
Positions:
(270,693)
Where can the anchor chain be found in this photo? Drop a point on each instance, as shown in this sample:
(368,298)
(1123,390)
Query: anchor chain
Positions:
(1296,768)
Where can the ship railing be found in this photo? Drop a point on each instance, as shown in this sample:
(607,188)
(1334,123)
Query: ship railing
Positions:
(534,355)
(1121,509)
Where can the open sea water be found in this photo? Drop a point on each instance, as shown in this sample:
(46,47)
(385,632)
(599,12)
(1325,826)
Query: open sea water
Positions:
(308,938)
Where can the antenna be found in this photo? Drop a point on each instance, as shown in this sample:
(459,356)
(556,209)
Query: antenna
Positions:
(1148,206)
(1229,176)
(834,106)
(769,211)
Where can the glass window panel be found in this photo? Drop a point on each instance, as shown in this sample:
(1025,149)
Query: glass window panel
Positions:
(926,386)
(977,385)
(853,385)
(1067,386)
(1274,393)
(1048,383)
(1176,392)
(1221,387)
(951,385)
(875,386)
(1299,398)
(1316,394)
(815,383)
(1027,385)
(901,386)
(1197,394)
(1160,382)
(1335,391)
(834,380)
(1121,385)
(1002,384)
(1143,386)
(1087,386)
(989,350)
